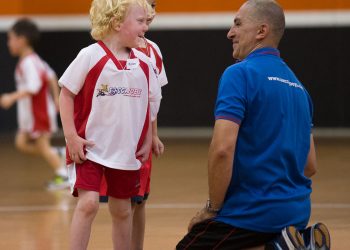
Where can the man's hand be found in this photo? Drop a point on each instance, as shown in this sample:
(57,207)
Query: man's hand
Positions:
(201,215)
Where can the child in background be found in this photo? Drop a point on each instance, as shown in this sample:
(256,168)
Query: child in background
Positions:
(36,106)
(152,51)
(104,106)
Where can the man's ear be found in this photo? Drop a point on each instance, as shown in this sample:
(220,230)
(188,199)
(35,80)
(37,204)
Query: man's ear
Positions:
(263,30)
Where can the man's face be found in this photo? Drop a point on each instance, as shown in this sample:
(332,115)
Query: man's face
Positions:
(243,32)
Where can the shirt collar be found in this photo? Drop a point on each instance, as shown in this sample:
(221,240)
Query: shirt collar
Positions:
(261,51)
(265,51)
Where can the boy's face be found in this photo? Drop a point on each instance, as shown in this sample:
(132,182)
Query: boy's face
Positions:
(153,5)
(15,43)
(134,27)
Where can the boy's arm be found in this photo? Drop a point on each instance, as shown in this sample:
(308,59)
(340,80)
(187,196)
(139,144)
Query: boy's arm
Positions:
(55,90)
(74,142)
(143,153)
(157,145)
(8,99)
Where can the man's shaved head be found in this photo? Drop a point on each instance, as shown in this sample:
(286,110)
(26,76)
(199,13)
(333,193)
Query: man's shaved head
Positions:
(269,11)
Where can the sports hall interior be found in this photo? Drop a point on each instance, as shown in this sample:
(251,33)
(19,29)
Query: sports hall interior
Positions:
(192,38)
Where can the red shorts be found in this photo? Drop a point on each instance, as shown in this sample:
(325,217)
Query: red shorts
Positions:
(121,184)
(145,181)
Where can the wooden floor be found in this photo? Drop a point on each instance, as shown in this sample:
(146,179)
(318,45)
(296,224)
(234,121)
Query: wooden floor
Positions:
(32,218)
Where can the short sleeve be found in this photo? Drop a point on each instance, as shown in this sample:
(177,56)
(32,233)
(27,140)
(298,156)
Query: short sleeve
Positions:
(231,99)
(31,76)
(49,71)
(154,108)
(162,78)
(155,92)
(74,76)
(157,62)
(311,108)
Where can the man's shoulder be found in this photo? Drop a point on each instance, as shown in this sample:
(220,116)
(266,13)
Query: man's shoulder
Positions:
(236,68)
(246,65)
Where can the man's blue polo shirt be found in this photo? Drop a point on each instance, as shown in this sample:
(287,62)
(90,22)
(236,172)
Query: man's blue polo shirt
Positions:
(268,189)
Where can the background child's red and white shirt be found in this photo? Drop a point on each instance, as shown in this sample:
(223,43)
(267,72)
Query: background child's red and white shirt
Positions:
(154,55)
(35,113)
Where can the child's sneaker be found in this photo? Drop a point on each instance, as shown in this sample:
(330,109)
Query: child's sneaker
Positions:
(317,237)
(290,239)
(57,183)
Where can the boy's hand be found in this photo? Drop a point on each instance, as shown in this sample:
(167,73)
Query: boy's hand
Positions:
(6,101)
(76,146)
(157,146)
(143,153)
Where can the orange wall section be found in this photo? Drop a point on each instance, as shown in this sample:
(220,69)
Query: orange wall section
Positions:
(44,7)
(52,7)
(10,7)
(233,5)
(56,6)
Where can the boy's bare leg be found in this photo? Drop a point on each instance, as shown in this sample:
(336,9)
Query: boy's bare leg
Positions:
(48,152)
(23,144)
(138,226)
(121,212)
(84,214)
(41,146)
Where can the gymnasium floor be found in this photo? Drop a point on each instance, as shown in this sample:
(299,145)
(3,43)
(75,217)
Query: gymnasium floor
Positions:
(32,218)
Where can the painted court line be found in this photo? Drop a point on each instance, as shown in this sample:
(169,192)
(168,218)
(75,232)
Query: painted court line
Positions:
(67,207)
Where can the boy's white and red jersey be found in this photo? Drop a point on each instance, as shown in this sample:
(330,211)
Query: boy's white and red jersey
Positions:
(111,103)
(154,55)
(35,113)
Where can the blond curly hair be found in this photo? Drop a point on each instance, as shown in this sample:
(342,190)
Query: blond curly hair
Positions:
(103,12)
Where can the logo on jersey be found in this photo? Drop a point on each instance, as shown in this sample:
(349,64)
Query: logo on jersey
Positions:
(155,69)
(289,83)
(105,90)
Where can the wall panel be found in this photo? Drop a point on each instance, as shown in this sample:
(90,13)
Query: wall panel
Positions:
(195,60)
(195,56)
